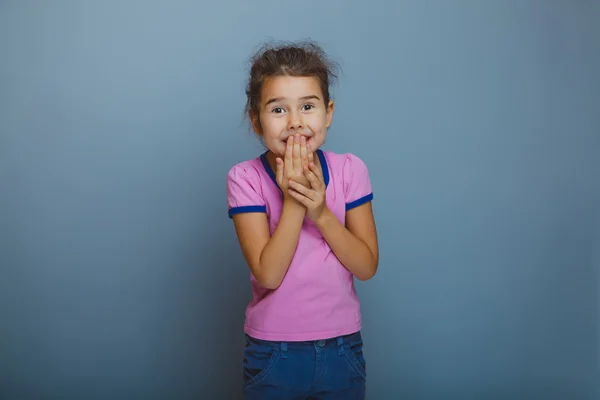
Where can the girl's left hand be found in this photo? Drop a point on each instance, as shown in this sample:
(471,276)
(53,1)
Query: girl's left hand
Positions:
(312,198)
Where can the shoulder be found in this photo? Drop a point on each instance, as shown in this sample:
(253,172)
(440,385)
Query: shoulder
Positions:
(245,171)
(351,172)
(345,163)
(245,188)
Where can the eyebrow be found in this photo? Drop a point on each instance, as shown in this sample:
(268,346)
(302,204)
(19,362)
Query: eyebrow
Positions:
(276,99)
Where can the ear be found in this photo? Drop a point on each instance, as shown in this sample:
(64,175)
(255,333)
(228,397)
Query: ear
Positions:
(255,122)
(330,109)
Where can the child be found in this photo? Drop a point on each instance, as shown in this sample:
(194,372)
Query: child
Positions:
(305,225)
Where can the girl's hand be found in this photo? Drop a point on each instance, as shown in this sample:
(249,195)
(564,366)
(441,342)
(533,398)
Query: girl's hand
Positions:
(291,168)
(313,196)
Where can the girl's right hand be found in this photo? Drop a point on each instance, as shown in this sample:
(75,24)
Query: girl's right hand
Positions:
(291,167)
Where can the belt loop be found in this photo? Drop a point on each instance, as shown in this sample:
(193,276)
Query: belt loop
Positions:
(340,344)
(283,349)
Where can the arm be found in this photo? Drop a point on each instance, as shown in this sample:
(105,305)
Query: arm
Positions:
(355,244)
(269,257)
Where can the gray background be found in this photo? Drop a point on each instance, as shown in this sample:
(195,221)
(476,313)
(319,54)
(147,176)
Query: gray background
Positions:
(121,275)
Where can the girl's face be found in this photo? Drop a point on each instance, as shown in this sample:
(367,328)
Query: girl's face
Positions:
(290,105)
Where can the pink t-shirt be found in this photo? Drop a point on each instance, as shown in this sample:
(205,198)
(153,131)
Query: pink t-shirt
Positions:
(316,299)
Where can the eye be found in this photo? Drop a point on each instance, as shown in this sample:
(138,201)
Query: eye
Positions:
(277,110)
(307,107)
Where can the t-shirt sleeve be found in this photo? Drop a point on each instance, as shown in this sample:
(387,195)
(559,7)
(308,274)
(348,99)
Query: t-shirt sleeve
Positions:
(357,184)
(243,191)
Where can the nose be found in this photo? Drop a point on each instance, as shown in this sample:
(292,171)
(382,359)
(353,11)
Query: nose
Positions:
(294,121)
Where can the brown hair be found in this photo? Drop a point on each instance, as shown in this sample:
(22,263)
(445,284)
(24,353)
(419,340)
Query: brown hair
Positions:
(288,59)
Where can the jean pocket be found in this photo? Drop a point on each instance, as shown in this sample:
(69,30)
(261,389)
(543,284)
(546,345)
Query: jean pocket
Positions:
(260,358)
(354,353)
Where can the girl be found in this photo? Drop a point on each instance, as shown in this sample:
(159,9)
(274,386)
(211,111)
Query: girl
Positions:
(305,225)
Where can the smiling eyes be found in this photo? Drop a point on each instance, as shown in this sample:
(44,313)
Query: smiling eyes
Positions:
(280,110)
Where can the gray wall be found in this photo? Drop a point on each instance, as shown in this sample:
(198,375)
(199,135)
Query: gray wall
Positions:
(121,276)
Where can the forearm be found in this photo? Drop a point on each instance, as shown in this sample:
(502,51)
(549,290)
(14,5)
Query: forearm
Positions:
(353,253)
(277,254)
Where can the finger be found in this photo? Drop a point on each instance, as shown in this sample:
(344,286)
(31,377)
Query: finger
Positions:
(279,170)
(303,152)
(311,154)
(314,180)
(316,170)
(296,154)
(306,202)
(301,189)
(288,154)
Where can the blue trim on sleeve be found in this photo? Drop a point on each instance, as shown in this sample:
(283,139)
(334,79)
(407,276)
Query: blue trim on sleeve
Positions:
(247,209)
(359,202)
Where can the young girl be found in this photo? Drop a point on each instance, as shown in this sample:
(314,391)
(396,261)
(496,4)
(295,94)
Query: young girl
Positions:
(305,225)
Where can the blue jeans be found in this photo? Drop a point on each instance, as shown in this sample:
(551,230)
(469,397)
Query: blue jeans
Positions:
(320,370)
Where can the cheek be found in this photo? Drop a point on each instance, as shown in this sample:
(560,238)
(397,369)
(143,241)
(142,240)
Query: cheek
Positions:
(270,127)
(318,125)
(319,118)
